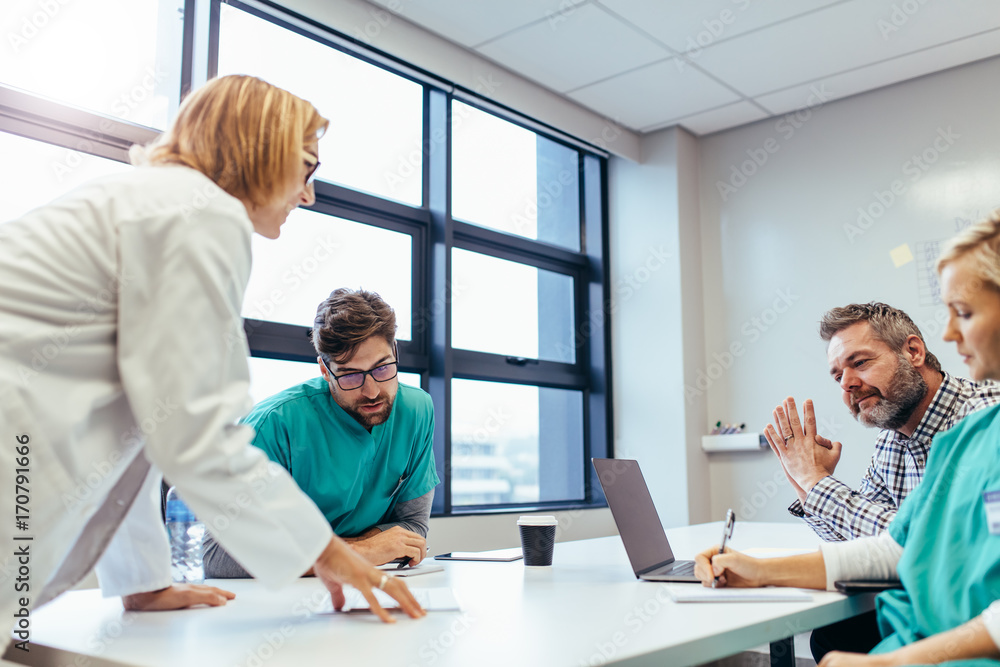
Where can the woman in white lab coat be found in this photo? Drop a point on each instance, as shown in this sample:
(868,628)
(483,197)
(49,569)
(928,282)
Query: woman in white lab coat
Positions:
(121,342)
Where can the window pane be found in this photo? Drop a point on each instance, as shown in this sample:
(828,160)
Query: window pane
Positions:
(116,57)
(497,430)
(318,253)
(412,379)
(375,139)
(34,173)
(508,308)
(269,376)
(510,179)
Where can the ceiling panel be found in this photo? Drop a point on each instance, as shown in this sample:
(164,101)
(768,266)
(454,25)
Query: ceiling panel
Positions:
(473,22)
(722,118)
(654,95)
(885,73)
(838,38)
(740,58)
(691,26)
(586,45)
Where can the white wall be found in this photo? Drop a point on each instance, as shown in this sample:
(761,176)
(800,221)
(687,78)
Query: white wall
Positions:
(656,334)
(499,531)
(787,245)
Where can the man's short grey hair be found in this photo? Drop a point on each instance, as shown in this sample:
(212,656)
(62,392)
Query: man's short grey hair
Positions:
(890,325)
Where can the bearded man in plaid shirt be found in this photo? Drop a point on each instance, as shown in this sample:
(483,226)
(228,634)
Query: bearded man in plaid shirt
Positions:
(889,381)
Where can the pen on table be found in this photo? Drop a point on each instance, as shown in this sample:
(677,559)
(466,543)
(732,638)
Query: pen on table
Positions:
(727,532)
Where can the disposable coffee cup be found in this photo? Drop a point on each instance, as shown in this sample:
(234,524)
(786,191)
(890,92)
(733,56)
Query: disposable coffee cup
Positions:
(538,539)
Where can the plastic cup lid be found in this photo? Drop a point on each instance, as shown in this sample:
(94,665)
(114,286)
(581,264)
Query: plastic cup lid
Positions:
(545,520)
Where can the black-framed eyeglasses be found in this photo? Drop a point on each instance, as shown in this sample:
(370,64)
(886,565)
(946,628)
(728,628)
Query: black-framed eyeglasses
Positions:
(311,174)
(356,380)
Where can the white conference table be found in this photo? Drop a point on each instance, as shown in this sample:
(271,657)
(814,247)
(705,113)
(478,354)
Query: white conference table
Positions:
(587,609)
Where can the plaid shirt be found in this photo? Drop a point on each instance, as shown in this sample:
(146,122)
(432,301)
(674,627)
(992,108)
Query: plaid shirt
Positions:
(836,512)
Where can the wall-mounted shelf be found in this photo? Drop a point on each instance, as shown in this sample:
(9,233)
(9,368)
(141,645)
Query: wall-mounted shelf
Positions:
(734,442)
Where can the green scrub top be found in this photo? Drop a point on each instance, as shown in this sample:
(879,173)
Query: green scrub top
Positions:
(354,477)
(950,567)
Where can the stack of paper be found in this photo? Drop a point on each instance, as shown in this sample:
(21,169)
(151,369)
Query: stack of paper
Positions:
(703,594)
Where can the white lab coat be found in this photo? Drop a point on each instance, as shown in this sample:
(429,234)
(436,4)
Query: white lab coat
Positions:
(120,335)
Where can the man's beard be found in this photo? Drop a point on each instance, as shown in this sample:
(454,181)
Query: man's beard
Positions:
(905,391)
(371,419)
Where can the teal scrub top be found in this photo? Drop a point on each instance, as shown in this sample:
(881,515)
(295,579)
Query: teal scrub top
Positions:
(354,477)
(950,568)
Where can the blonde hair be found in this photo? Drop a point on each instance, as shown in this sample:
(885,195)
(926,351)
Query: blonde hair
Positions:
(243,133)
(981,243)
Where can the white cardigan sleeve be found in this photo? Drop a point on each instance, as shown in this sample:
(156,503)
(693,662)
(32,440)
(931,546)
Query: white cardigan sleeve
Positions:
(991,619)
(182,360)
(864,558)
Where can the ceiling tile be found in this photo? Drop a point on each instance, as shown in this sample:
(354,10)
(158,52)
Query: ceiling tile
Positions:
(585,44)
(722,118)
(470,23)
(691,26)
(885,73)
(838,38)
(654,95)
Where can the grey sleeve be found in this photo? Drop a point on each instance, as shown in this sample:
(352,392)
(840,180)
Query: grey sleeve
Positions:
(413,515)
(219,564)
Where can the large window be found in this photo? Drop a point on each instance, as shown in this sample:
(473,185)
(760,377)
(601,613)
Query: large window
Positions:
(485,231)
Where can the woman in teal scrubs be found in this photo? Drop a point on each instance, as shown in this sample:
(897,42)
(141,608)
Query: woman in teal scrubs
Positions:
(944,544)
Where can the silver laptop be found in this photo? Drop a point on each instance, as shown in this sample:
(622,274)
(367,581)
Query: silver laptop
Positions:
(639,524)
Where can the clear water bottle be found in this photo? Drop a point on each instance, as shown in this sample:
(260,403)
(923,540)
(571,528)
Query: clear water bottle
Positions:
(187,537)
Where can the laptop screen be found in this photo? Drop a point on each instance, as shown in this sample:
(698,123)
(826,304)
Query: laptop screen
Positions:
(634,513)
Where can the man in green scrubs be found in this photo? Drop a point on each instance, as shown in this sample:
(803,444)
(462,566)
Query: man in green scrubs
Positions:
(359,443)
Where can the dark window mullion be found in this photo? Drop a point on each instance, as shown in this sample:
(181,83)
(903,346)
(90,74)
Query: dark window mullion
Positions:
(495,368)
(498,244)
(437,161)
(597,344)
(347,202)
(292,342)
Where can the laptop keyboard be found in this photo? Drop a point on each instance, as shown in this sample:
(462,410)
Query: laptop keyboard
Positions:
(682,569)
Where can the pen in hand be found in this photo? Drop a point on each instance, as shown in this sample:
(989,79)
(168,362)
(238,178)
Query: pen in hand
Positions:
(403,562)
(727,532)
